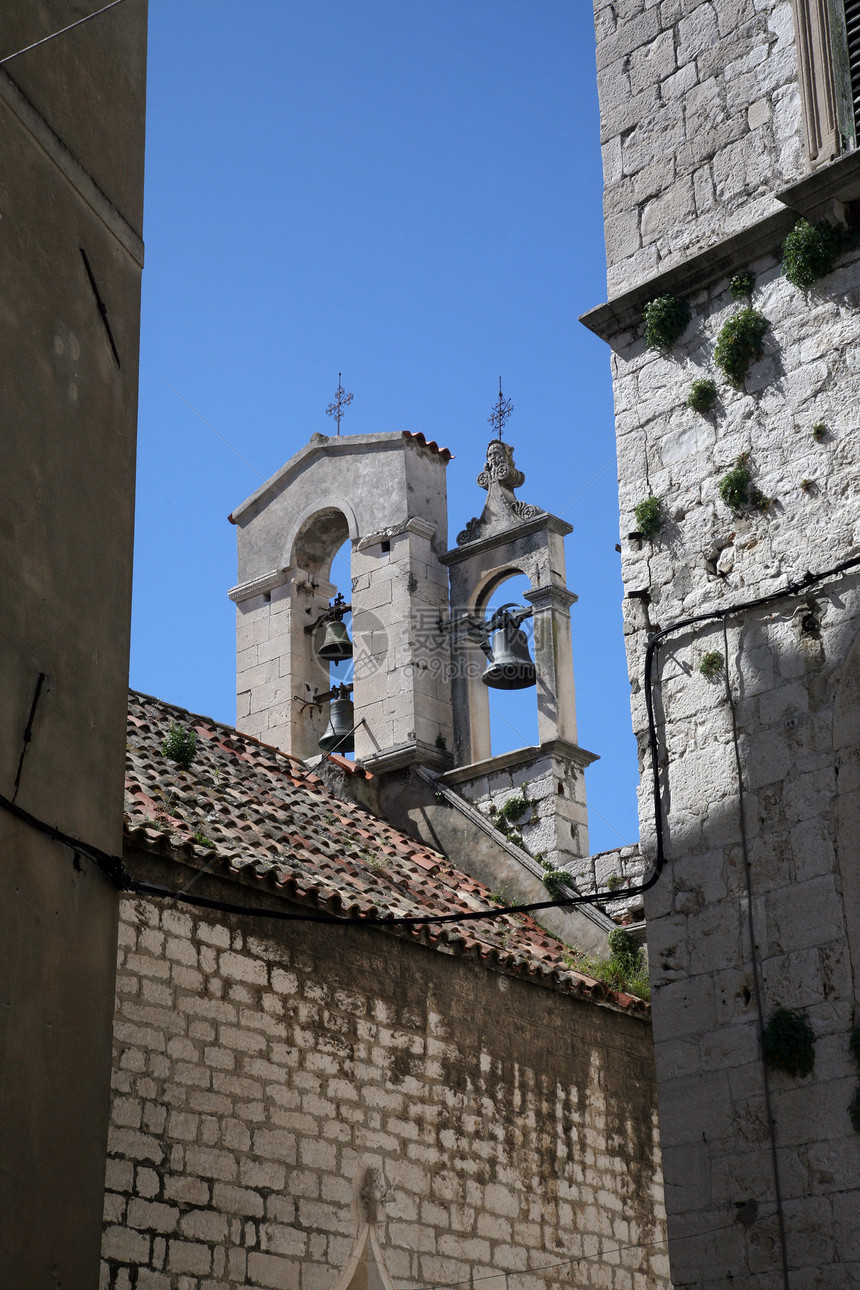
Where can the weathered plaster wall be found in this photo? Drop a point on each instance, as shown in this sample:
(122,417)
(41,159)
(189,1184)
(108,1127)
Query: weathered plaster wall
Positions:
(258,1072)
(72,178)
(701,124)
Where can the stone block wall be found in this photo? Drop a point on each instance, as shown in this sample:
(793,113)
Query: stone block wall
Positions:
(257,1074)
(554,821)
(700,124)
(792,669)
(606,870)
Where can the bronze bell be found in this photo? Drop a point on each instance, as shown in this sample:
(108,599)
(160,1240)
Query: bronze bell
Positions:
(339,735)
(336,646)
(510,666)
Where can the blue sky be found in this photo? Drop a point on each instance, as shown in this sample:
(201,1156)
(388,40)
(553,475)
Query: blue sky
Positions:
(409,193)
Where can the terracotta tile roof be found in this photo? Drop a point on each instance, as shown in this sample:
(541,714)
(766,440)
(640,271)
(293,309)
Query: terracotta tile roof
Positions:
(430,444)
(246,807)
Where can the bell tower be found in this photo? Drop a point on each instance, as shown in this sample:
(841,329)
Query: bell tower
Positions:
(384,495)
(513,537)
(358,525)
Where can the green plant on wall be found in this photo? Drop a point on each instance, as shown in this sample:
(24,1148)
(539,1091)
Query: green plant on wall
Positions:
(703,395)
(623,969)
(180,745)
(711,664)
(554,879)
(740,343)
(742,285)
(810,251)
(788,1043)
(665,319)
(649,517)
(819,432)
(734,487)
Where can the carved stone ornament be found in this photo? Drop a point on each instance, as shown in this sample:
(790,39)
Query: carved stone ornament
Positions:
(374,1194)
(499,467)
(503,511)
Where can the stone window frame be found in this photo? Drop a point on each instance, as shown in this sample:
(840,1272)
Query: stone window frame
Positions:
(824,77)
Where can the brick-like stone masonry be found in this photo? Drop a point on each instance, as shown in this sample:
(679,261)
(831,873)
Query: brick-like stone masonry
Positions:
(701,124)
(799,725)
(255,1078)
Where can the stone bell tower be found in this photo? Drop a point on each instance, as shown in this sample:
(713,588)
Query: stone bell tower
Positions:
(386,495)
(513,537)
(365,517)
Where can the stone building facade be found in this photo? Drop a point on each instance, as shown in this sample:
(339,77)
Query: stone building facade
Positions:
(304,1106)
(71,254)
(723,125)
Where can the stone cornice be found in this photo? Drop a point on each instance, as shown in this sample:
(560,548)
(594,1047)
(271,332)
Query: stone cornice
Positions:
(256,586)
(813,197)
(414,751)
(421,528)
(551,597)
(504,539)
(556,748)
(624,312)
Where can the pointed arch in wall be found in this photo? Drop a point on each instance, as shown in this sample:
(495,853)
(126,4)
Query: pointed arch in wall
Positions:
(365,1268)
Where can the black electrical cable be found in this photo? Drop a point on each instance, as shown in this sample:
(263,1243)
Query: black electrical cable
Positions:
(727,611)
(111,866)
(372,920)
(114,868)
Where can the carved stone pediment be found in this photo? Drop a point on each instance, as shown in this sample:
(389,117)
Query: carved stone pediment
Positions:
(503,510)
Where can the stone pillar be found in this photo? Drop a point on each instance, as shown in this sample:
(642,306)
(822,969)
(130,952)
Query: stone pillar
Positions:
(402,696)
(556,697)
(277,668)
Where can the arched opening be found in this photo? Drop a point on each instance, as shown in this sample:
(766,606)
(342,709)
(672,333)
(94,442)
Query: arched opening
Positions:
(513,716)
(319,540)
(322,550)
(340,576)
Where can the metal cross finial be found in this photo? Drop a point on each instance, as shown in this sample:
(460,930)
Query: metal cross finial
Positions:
(341,400)
(501,411)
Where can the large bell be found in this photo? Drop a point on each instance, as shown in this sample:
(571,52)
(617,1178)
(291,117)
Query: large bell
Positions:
(510,666)
(336,646)
(339,735)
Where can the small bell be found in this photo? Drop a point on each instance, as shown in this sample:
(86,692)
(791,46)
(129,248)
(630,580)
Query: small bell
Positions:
(339,735)
(510,666)
(336,646)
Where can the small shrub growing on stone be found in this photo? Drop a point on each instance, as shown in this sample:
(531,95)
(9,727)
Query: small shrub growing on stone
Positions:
(624,969)
(513,808)
(711,664)
(734,487)
(740,343)
(703,395)
(742,284)
(665,319)
(810,251)
(788,1043)
(819,432)
(553,880)
(180,745)
(649,517)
